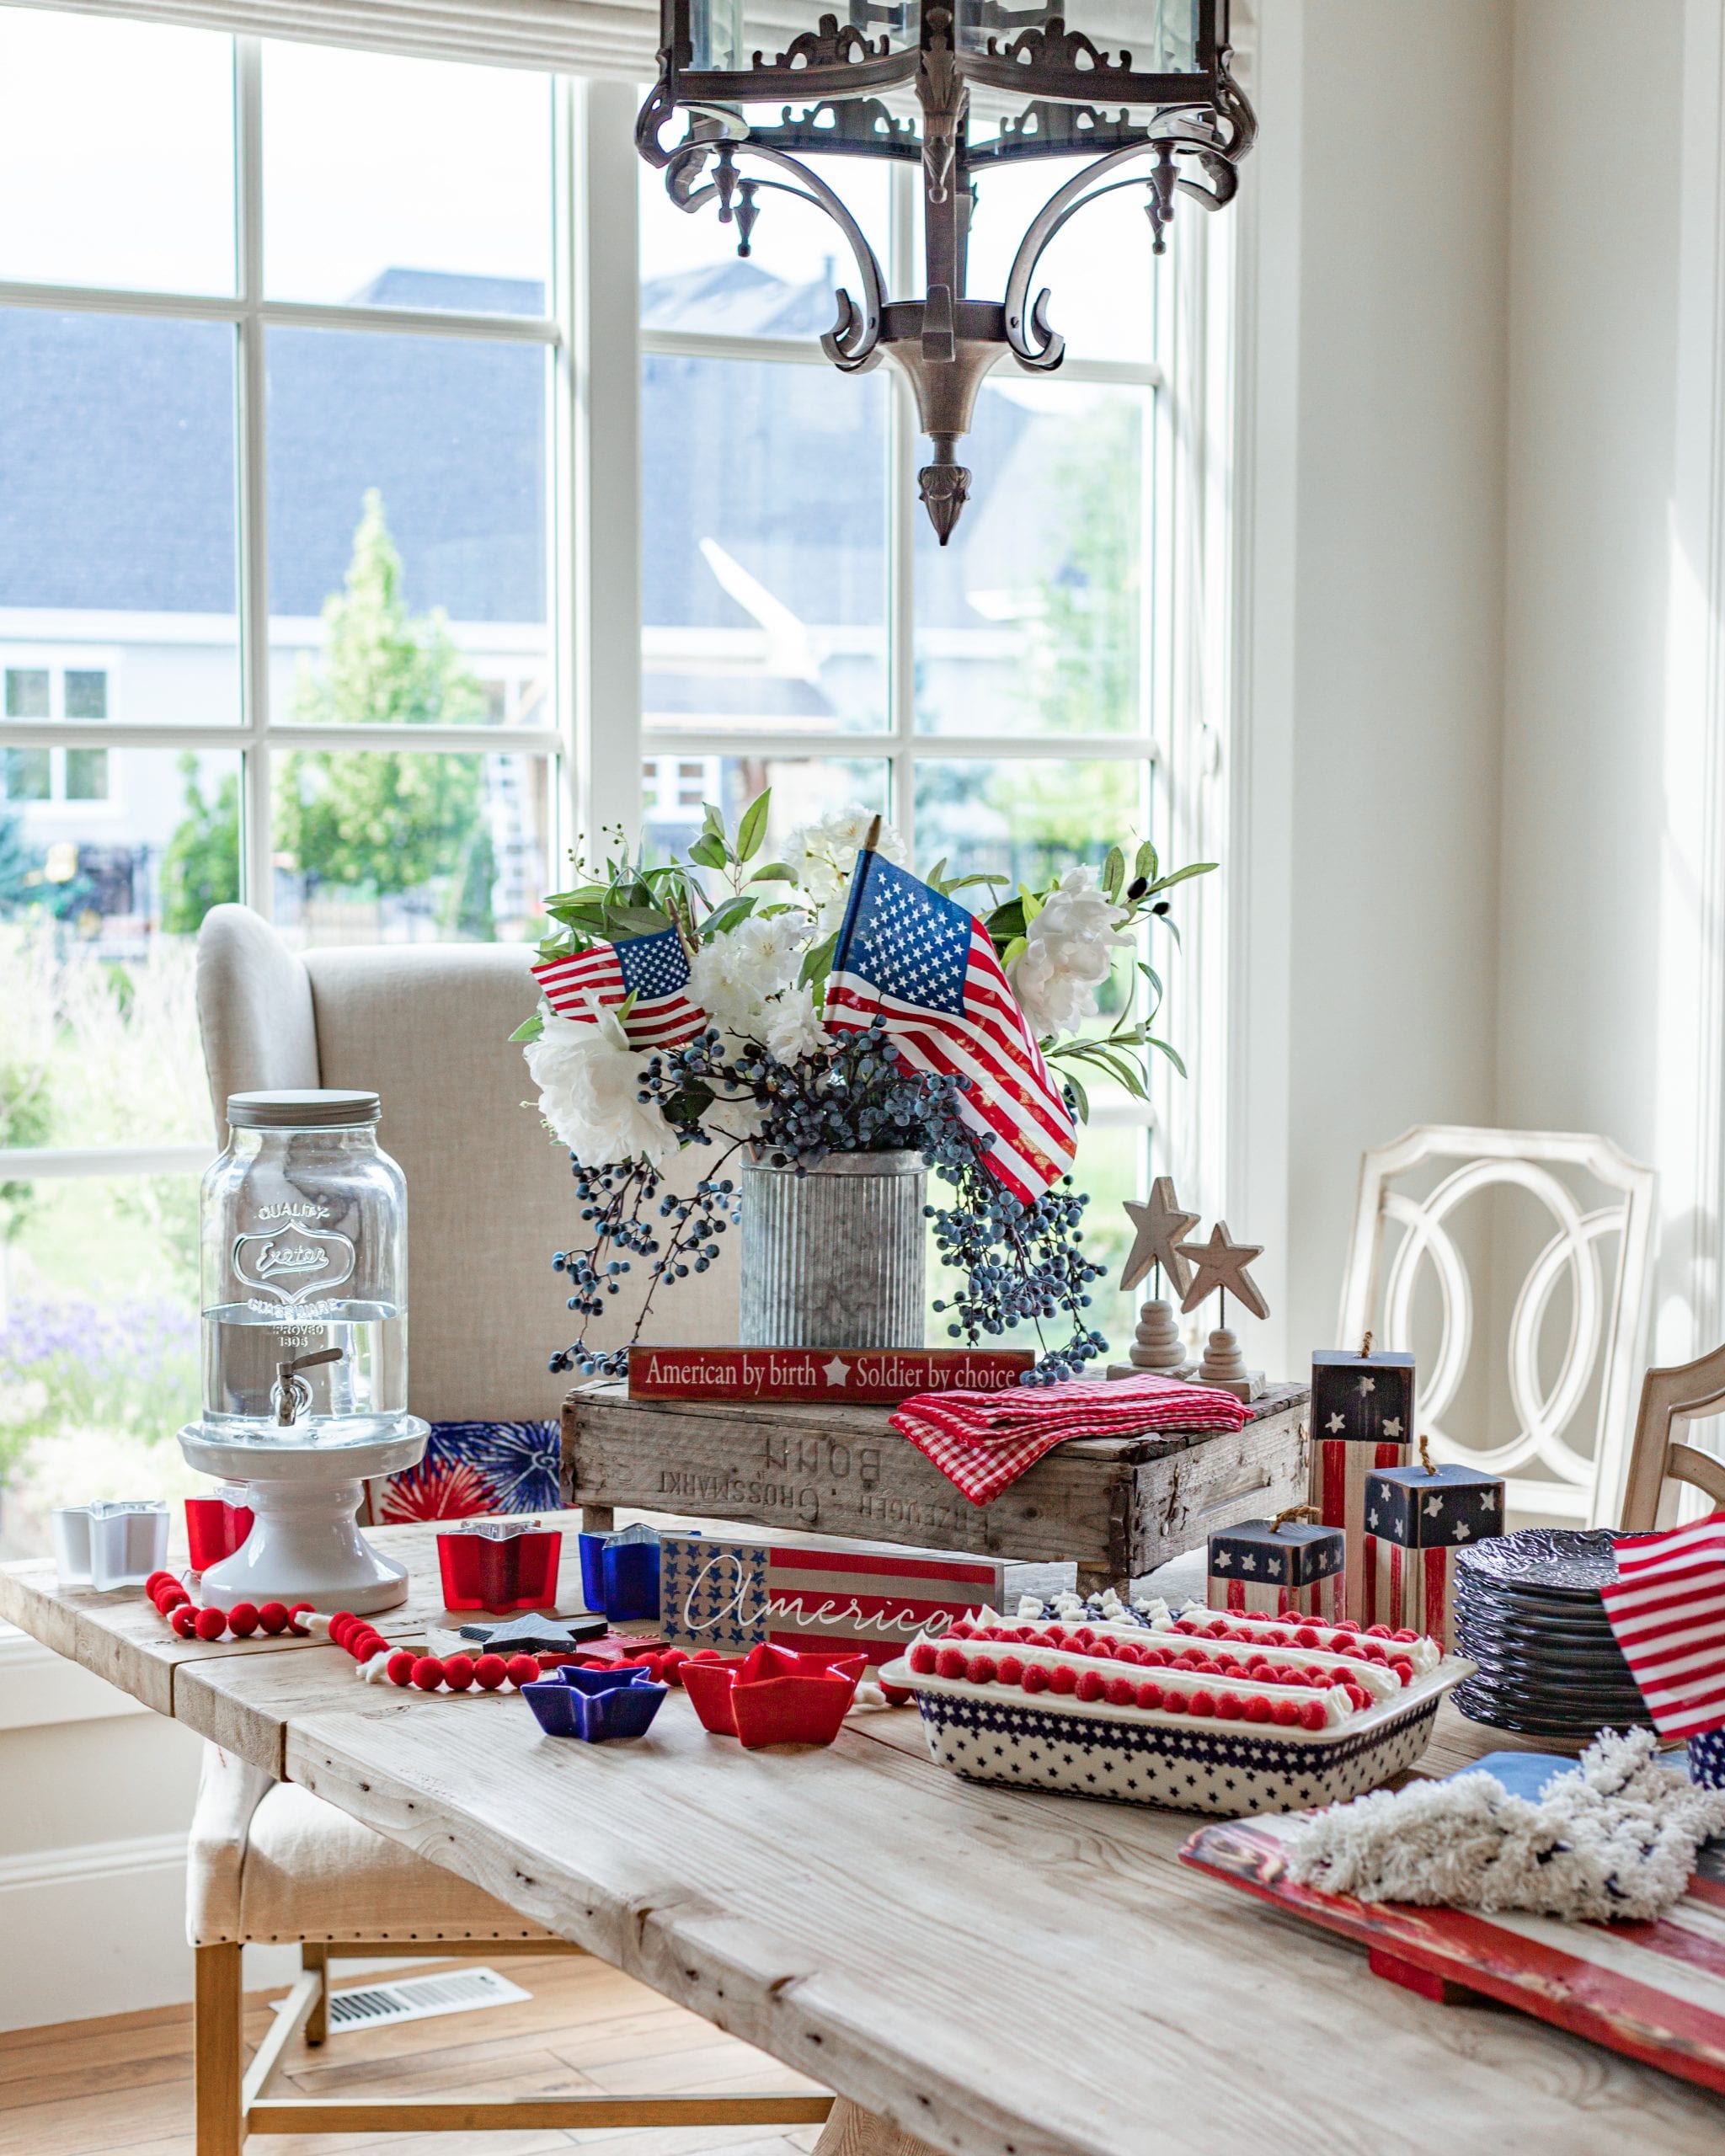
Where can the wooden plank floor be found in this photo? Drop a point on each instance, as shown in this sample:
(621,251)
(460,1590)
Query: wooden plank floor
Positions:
(100,2088)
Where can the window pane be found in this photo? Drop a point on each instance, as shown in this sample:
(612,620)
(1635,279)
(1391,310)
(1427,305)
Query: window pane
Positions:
(405,183)
(407,480)
(99,1343)
(27,692)
(29,774)
(116,850)
(692,278)
(764,546)
(1099,270)
(1025,821)
(411,847)
(117,513)
(116,153)
(804,789)
(86,693)
(1031,620)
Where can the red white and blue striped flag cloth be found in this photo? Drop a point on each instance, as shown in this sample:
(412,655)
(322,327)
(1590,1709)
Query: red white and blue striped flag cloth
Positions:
(923,966)
(655,969)
(1666,1607)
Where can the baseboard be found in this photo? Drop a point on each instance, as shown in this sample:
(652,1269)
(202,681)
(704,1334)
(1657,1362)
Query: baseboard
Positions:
(94,1930)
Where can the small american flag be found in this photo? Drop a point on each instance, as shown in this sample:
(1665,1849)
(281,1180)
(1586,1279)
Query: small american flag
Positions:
(923,966)
(1666,1607)
(655,969)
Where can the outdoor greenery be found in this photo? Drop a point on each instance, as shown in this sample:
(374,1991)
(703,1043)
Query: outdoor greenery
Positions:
(378,823)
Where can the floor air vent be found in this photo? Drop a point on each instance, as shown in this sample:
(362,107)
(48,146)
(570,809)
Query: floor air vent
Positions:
(415,1999)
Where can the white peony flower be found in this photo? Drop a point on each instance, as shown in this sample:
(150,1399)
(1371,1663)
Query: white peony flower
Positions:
(742,1117)
(732,977)
(1069,952)
(588,1077)
(824,852)
(723,982)
(793,1026)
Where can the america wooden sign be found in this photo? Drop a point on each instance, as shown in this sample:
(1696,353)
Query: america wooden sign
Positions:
(864,1377)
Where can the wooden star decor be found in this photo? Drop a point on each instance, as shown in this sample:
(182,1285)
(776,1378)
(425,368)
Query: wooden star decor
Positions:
(1221,1264)
(1158,1226)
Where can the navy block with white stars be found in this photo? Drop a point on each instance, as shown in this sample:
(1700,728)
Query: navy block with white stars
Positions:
(1439,1509)
(1294,1554)
(908,941)
(653,965)
(1367,1399)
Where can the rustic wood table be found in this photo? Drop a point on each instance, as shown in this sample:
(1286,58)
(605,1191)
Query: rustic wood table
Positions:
(971,1969)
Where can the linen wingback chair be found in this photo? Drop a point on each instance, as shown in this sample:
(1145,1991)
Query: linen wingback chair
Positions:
(427,1027)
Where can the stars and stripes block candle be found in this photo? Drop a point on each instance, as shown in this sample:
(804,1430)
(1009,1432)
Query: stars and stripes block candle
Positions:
(1290,1570)
(806,1591)
(1667,1609)
(1362,1422)
(654,969)
(1416,1519)
(921,966)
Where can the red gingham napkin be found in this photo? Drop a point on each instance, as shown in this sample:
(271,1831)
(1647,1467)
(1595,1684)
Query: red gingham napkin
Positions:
(982,1442)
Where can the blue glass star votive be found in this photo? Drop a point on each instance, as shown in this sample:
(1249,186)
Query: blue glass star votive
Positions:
(595,1704)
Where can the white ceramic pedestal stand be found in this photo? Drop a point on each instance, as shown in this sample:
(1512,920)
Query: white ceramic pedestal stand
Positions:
(305,1545)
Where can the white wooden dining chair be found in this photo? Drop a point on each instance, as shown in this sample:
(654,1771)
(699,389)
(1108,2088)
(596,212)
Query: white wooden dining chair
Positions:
(427,1027)
(1595,1259)
(1678,1394)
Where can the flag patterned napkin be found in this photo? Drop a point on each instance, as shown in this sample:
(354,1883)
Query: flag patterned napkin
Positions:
(982,1442)
(1667,1609)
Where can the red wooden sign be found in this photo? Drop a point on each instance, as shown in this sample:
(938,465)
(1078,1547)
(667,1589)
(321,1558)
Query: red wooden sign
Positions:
(865,1377)
(1651,1990)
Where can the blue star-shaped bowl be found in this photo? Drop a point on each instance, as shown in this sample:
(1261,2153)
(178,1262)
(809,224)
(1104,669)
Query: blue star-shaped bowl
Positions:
(595,1704)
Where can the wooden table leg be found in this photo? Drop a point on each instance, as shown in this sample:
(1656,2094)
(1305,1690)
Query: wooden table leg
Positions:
(216,2048)
(598,1519)
(852,2131)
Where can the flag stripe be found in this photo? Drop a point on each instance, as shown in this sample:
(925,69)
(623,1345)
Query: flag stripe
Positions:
(1667,1611)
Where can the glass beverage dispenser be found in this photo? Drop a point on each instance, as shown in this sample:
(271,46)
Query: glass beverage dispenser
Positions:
(305,1345)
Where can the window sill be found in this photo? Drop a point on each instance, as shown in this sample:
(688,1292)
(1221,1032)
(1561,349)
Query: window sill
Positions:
(39,1688)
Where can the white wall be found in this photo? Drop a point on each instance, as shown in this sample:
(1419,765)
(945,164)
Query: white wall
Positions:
(1593,374)
(1376,555)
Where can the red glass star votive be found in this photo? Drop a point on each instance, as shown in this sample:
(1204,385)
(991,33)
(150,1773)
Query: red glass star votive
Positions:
(499,1565)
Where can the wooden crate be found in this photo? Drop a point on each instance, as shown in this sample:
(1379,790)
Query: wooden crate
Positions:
(1118,1507)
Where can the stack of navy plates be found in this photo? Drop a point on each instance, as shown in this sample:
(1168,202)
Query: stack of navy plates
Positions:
(1528,1611)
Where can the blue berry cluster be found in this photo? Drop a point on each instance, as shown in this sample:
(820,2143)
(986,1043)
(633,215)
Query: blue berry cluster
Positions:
(1018,1263)
(675,1236)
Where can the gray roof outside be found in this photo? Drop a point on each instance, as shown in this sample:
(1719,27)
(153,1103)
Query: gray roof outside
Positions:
(117,459)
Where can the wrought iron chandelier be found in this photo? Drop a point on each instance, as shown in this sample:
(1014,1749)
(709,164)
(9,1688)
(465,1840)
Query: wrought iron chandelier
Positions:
(909,80)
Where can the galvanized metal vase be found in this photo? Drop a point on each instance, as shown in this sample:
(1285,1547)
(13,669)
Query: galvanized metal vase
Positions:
(834,1257)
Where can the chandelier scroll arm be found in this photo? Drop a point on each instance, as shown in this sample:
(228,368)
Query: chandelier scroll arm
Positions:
(1032,344)
(852,344)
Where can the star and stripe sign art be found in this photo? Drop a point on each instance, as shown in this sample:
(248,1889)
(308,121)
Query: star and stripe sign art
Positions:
(654,969)
(1417,1517)
(922,966)
(1362,1423)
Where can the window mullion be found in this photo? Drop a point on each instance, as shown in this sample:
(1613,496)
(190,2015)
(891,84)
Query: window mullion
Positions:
(257,877)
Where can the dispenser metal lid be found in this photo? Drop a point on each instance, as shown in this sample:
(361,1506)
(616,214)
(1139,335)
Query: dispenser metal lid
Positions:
(323,1107)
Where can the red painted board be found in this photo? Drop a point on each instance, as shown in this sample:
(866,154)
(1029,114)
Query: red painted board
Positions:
(1655,1992)
(843,1376)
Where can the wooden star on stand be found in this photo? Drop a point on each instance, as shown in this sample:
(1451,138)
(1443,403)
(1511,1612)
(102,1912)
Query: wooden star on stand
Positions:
(1158,1225)
(1221,1264)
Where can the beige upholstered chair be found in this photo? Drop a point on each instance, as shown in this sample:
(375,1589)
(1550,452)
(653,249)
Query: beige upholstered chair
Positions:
(1683,1393)
(427,1028)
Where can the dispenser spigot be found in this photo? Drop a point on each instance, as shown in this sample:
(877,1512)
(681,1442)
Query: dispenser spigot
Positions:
(292,1393)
